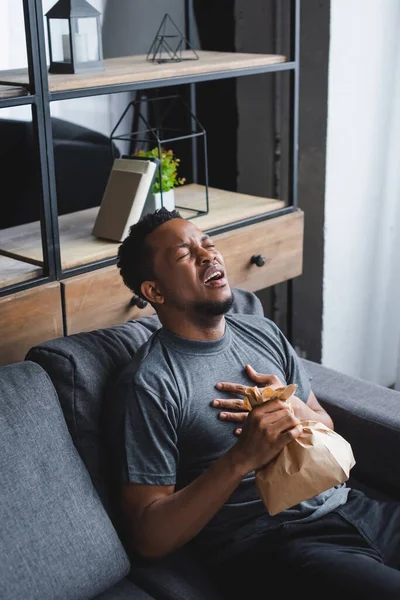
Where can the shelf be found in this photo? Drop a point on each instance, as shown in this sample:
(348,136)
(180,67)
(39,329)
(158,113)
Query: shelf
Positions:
(225,207)
(135,71)
(12,91)
(15,271)
(80,247)
(12,95)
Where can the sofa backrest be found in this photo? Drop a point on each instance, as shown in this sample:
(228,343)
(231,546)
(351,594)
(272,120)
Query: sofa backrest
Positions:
(57,539)
(83,365)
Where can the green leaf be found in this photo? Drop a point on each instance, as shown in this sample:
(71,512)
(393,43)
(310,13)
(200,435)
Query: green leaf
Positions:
(169,167)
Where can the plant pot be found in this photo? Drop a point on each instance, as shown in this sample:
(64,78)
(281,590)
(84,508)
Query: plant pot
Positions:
(167,200)
(154,202)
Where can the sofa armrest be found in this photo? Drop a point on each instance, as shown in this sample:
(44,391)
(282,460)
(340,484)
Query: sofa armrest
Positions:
(368,416)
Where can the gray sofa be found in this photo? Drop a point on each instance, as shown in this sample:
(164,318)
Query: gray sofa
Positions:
(61,537)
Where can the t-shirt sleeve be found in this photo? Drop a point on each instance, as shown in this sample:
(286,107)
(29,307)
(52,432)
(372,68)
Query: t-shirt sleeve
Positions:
(295,370)
(148,451)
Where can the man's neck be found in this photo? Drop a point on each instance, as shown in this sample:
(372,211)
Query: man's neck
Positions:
(202,328)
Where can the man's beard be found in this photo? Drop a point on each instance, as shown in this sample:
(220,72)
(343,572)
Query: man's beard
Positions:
(213,308)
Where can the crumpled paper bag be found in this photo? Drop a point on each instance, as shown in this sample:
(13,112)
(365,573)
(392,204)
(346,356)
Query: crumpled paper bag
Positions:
(316,461)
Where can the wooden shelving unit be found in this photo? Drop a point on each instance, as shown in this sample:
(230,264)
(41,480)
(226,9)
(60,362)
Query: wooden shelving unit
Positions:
(60,253)
(79,247)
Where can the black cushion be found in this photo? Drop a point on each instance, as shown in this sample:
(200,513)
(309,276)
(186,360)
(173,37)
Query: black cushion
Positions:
(83,160)
(81,367)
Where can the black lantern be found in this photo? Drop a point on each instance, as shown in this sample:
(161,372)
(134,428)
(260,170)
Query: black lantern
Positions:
(74,33)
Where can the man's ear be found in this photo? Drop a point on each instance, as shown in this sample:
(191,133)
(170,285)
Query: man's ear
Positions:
(151,292)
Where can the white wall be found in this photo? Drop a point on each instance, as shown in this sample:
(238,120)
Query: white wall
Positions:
(361,316)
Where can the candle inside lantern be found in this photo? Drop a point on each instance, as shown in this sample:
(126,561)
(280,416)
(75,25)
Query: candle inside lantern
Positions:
(66,47)
(81,47)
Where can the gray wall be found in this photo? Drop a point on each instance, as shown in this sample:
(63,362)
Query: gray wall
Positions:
(308,289)
(255,22)
(129,26)
(263,106)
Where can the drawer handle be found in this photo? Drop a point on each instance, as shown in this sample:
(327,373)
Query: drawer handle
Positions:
(258,259)
(137,301)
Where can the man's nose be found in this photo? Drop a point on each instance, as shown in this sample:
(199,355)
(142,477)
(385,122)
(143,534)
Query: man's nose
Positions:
(205,255)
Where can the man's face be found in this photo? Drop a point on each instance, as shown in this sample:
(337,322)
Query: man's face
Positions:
(189,270)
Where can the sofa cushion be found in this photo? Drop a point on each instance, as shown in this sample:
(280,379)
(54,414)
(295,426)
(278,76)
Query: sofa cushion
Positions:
(81,366)
(57,540)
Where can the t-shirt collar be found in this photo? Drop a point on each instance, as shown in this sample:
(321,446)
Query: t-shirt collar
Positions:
(191,346)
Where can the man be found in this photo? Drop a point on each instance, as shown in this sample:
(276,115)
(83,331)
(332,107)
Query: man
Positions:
(186,476)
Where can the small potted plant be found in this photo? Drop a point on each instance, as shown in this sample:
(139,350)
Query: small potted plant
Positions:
(163,192)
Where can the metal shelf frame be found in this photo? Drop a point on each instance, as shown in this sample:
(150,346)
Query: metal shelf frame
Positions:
(17,101)
(40,97)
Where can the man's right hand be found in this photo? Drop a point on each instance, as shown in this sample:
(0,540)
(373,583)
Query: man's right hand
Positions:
(268,428)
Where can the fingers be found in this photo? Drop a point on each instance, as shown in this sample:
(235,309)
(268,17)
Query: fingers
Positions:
(277,422)
(263,378)
(230,404)
(292,434)
(236,388)
(277,407)
(235,417)
(233,388)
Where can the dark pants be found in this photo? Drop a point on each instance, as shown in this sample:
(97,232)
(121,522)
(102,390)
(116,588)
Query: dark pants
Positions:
(354,550)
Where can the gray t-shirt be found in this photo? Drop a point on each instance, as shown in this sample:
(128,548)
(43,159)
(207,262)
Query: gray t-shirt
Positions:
(167,433)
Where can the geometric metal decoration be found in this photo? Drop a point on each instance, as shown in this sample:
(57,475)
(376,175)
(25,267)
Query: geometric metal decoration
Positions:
(153,129)
(168,44)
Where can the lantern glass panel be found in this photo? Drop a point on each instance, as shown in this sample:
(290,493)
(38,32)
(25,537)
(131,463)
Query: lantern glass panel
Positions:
(86,39)
(60,40)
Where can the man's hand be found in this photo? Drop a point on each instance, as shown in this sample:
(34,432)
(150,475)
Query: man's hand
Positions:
(310,410)
(267,428)
(236,404)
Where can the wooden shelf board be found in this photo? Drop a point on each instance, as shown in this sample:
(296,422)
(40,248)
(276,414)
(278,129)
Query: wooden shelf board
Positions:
(12,91)
(14,271)
(79,246)
(136,69)
(224,207)
(23,241)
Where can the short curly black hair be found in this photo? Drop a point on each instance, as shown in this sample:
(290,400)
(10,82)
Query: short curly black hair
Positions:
(134,255)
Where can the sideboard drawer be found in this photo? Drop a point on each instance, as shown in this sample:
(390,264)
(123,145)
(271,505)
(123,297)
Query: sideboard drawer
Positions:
(98,299)
(28,318)
(278,242)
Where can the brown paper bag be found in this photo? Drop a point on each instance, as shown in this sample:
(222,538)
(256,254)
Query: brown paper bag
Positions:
(316,461)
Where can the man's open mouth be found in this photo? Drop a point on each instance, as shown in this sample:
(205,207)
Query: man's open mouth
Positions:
(214,276)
